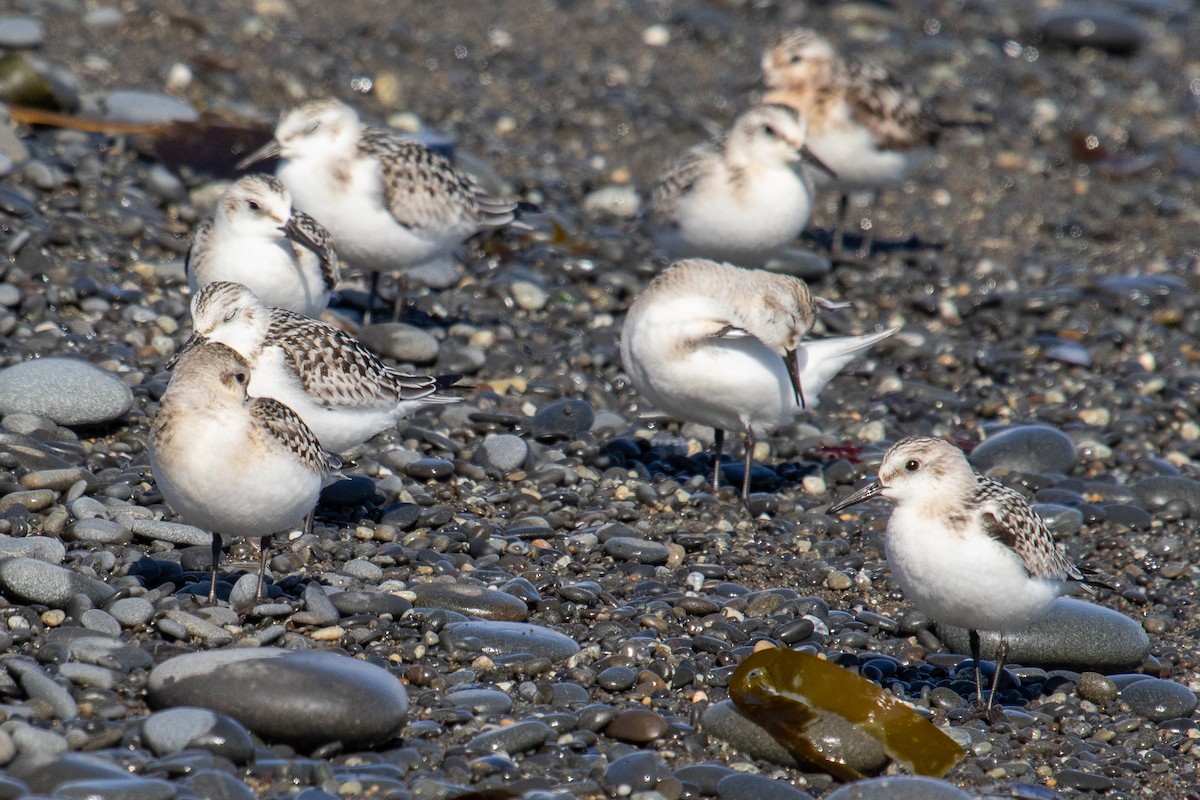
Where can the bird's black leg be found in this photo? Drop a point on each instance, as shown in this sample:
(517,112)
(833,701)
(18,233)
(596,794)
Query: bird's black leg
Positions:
(839,233)
(974,638)
(718,446)
(263,549)
(749,462)
(216,559)
(372,296)
(1001,657)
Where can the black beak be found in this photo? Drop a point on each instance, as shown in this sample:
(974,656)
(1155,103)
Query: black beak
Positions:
(872,489)
(792,359)
(296,232)
(810,157)
(193,341)
(268,150)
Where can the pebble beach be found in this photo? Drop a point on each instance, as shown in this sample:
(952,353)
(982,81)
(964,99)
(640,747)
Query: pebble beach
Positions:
(534,592)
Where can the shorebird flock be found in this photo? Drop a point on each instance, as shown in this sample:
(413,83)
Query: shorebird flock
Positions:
(264,395)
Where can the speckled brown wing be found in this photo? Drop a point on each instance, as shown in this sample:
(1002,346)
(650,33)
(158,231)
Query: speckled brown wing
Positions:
(1009,519)
(680,176)
(335,369)
(315,232)
(286,429)
(425,193)
(199,245)
(890,109)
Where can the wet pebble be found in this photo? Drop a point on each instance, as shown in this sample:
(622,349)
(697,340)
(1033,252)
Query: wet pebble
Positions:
(1095,687)
(177,729)
(1158,491)
(1092,25)
(49,584)
(501,453)
(66,390)
(562,419)
(515,738)
(1159,700)
(507,638)
(637,725)
(758,787)
(641,551)
(127,788)
(899,787)
(633,773)
(474,601)
(481,701)
(1025,448)
(20,33)
(303,698)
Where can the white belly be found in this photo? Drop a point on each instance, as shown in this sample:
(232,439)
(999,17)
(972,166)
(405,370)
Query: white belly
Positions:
(852,153)
(277,274)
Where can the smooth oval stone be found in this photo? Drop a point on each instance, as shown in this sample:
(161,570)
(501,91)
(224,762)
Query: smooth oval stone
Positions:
(1074,635)
(430,469)
(66,390)
(147,107)
(517,738)
(302,698)
(562,419)
(211,784)
(99,531)
(400,341)
(1026,448)
(474,601)
(127,788)
(173,532)
(1158,699)
(507,638)
(1092,25)
(481,701)
(1155,492)
(636,725)
(636,772)
(758,787)
(1097,688)
(49,584)
(43,548)
(49,773)
(501,453)
(837,738)
(367,602)
(20,32)
(641,551)
(900,787)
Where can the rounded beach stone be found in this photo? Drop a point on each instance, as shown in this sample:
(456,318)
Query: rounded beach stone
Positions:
(305,699)
(900,787)
(66,390)
(474,601)
(1026,448)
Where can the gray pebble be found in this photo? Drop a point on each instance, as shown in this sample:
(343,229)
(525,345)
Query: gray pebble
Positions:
(1155,492)
(40,686)
(1074,635)
(438,273)
(99,531)
(43,548)
(562,419)
(363,569)
(636,772)
(484,702)
(302,698)
(400,341)
(147,107)
(88,675)
(758,787)
(1026,448)
(127,788)
(1092,25)
(513,739)
(641,551)
(618,201)
(103,17)
(174,532)
(501,453)
(473,601)
(1158,699)
(801,263)
(21,33)
(213,635)
(506,638)
(97,620)
(528,295)
(66,390)
(900,787)
(38,582)
(176,729)
(1096,688)
(131,611)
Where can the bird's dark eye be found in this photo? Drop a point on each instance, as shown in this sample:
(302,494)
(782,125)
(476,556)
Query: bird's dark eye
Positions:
(912,465)
(254,206)
(795,59)
(241,378)
(313,127)
(231,316)
(769,130)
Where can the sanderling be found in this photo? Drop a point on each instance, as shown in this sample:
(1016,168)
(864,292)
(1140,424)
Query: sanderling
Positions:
(869,127)
(229,463)
(966,550)
(724,346)
(255,237)
(339,388)
(738,198)
(390,202)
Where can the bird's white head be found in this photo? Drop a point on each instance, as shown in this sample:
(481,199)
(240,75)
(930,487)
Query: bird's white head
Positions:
(317,128)
(256,205)
(920,468)
(801,58)
(211,371)
(230,313)
(768,134)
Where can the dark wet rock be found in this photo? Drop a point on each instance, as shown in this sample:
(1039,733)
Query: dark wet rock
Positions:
(839,739)
(633,773)
(516,738)
(302,698)
(1092,25)
(481,701)
(562,419)
(507,638)
(211,784)
(1095,687)
(758,787)
(367,602)
(1025,448)
(900,787)
(1160,490)
(473,601)
(637,725)
(642,551)
(66,390)
(1158,699)
(1074,635)
(128,788)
